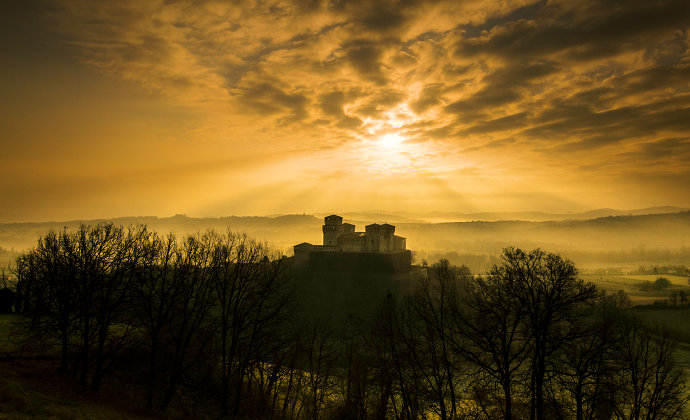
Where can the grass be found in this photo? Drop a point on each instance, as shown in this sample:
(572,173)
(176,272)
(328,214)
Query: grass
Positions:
(32,387)
(630,285)
(675,280)
(677,321)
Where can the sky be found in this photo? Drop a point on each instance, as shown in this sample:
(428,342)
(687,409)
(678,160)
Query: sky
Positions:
(215,108)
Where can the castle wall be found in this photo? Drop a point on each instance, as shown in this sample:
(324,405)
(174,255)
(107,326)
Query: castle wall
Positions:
(399,243)
(341,237)
(367,262)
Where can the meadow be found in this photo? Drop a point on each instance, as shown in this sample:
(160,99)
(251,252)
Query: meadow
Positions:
(630,284)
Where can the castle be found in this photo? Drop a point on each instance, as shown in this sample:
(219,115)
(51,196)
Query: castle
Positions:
(341,237)
(353,271)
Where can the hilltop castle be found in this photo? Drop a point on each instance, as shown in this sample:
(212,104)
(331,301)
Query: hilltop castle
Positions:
(353,271)
(376,250)
(341,237)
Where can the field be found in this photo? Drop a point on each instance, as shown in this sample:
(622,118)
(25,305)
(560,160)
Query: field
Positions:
(677,321)
(630,285)
(32,387)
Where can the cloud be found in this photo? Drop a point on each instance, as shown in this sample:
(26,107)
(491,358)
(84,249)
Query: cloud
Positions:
(333,104)
(580,30)
(510,86)
(430,96)
(266,98)
(364,56)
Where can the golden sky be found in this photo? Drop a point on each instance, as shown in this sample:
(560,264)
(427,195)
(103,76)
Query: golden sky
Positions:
(213,108)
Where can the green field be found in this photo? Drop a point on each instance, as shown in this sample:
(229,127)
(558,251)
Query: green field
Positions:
(630,285)
(677,321)
(675,280)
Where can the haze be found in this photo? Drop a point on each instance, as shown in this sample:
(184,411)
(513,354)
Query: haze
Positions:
(255,108)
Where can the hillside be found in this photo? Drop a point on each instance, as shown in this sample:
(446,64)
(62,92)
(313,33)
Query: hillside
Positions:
(631,239)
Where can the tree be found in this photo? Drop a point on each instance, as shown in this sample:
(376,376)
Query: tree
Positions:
(431,336)
(249,293)
(156,288)
(190,330)
(652,386)
(396,368)
(121,255)
(549,293)
(490,331)
(588,366)
(358,382)
(7,294)
(661,283)
(47,284)
(319,362)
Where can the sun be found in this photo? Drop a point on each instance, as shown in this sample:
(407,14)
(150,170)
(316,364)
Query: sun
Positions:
(390,141)
(388,148)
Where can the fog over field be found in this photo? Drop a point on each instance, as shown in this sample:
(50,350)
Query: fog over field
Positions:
(625,241)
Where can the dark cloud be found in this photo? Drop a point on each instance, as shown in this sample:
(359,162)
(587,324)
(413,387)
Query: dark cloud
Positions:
(333,104)
(599,29)
(592,129)
(510,122)
(501,87)
(379,17)
(266,98)
(349,122)
(485,98)
(430,96)
(364,56)
(380,100)
(528,12)
(678,147)
(382,18)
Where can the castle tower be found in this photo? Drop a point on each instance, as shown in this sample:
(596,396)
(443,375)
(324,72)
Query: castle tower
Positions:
(332,227)
(387,233)
(373,232)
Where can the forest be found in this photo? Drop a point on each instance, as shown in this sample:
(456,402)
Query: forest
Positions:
(215,324)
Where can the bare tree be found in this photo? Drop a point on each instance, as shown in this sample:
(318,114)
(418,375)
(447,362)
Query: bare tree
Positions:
(121,256)
(549,292)
(190,330)
(156,289)
(397,368)
(433,304)
(490,332)
(47,280)
(653,387)
(237,276)
(358,361)
(588,366)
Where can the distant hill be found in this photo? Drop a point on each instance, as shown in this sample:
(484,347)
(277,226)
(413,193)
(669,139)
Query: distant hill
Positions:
(532,216)
(279,230)
(666,231)
(574,236)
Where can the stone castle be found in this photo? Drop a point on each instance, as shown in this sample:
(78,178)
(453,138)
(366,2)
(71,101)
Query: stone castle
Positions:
(352,272)
(339,237)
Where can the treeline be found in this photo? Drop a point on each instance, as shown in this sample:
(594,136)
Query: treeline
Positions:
(676,270)
(661,283)
(213,318)
(528,340)
(204,312)
(678,299)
